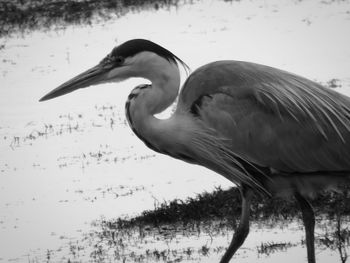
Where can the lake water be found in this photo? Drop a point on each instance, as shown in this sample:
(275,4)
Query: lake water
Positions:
(66,163)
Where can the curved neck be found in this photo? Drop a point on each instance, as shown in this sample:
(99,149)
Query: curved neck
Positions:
(165,88)
(165,78)
(148,100)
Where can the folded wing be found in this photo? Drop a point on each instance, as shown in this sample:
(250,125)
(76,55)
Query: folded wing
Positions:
(272,118)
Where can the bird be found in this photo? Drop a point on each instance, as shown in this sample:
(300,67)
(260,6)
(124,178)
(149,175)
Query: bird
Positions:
(268,131)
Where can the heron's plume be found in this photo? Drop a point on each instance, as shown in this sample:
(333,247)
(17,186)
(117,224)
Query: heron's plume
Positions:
(215,153)
(307,100)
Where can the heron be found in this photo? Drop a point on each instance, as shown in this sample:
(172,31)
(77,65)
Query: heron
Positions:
(266,130)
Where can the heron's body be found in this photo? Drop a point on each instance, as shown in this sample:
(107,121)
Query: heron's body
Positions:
(262,128)
(224,102)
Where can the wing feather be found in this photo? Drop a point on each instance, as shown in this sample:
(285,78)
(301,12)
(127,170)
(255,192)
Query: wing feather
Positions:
(272,118)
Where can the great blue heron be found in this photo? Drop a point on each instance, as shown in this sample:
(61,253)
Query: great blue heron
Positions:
(264,129)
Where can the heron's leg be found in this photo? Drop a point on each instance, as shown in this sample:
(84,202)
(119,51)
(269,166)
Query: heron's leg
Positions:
(309,223)
(243,228)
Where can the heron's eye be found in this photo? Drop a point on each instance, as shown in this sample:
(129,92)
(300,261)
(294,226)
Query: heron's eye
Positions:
(118,60)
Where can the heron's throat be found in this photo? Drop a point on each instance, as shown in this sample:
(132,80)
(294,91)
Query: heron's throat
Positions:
(165,79)
(150,100)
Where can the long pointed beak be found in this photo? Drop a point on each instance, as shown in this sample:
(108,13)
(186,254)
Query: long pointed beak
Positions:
(90,77)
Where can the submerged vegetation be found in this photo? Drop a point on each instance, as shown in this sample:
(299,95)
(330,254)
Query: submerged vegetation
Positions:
(157,235)
(201,228)
(225,205)
(20,15)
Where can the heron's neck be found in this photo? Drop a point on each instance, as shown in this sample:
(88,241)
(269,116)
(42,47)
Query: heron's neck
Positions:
(152,99)
(164,90)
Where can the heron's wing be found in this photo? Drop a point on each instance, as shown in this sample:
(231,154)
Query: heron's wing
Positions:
(273,118)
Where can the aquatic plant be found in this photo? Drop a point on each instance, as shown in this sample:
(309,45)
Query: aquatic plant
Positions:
(20,15)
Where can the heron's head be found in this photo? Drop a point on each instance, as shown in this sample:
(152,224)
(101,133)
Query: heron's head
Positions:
(134,58)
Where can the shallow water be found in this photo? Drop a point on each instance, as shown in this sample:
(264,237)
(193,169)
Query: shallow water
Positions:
(269,241)
(67,162)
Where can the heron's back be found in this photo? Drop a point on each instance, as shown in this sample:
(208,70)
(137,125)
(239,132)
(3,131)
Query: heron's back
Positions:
(273,119)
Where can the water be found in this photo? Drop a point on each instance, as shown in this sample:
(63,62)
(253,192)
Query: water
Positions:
(69,161)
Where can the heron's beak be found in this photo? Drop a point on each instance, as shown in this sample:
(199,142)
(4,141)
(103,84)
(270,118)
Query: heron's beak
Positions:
(90,77)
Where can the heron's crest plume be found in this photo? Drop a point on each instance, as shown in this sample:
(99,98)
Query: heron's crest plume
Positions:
(135,46)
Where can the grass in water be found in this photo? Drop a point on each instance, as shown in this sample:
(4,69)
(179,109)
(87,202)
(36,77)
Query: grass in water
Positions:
(22,15)
(214,215)
(226,204)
